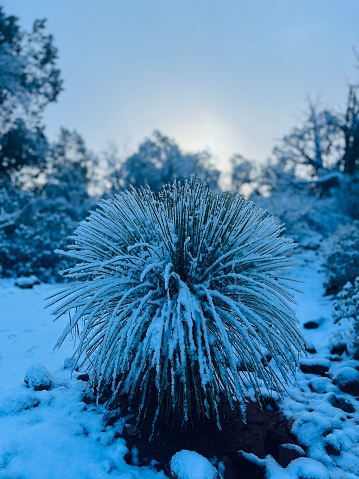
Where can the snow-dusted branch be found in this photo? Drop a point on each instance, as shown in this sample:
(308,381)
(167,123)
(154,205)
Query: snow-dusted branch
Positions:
(8,219)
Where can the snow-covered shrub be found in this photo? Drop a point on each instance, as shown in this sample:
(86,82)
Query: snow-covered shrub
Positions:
(346,306)
(348,195)
(40,225)
(307,218)
(342,260)
(180,298)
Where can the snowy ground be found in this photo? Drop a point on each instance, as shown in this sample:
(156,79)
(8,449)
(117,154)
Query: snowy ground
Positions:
(53,434)
(313,401)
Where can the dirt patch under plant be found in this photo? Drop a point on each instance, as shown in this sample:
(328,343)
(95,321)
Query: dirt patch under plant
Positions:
(262,433)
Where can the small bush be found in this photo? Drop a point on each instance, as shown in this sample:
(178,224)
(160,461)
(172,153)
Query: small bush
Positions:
(342,260)
(346,306)
(308,219)
(348,196)
(180,298)
(40,225)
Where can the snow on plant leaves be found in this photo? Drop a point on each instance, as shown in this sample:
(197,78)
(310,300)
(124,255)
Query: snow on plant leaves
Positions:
(181,296)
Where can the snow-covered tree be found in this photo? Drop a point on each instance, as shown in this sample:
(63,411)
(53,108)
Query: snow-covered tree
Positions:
(31,227)
(68,168)
(180,298)
(21,147)
(37,218)
(29,80)
(159,161)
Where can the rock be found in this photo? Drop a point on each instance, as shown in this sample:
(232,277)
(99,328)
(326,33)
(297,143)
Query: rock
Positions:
(342,404)
(347,380)
(38,378)
(83,377)
(332,445)
(331,451)
(273,439)
(313,323)
(311,350)
(339,349)
(27,282)
(191,465)
(321,385)
(288,453)
(87,399)
(315,366)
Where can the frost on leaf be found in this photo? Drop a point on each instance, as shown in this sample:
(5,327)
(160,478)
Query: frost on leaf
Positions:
(180,297)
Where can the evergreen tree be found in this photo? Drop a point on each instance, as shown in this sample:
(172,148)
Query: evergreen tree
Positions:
(29,80)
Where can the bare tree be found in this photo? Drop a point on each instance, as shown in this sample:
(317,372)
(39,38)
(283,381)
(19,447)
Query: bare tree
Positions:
(315,147)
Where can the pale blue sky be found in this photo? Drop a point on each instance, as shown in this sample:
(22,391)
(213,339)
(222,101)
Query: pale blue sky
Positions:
(232,75)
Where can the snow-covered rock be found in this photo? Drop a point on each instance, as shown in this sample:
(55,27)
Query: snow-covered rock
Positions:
(342,403)
(303,467)
(288,453)
(16,403)
(27,282)
(38,378)
(317,366)
(191,465)
(347,380)
(321,385)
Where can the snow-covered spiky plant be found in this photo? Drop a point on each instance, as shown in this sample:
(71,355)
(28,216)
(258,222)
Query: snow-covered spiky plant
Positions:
(181,298)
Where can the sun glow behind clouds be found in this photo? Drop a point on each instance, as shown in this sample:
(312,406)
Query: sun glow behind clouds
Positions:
(207,130)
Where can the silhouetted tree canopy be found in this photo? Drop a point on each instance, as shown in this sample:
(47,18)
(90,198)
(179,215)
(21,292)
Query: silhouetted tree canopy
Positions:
(159,160)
